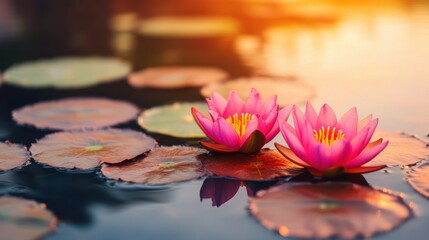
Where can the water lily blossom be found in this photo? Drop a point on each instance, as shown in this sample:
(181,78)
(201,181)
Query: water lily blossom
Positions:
(235,125)
(327,146)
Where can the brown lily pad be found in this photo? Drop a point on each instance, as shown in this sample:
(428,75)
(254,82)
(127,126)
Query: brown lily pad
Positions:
(264,165)
(176,77)
(418,179)
(24,219)
(76,113)
(287,91)
(12,156)
(327,210)
(89,149)
(163,165)
(403,149)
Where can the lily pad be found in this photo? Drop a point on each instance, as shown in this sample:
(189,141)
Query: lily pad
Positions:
(176,77)
(403,149)
(175,120)
(24,219)
(418,179)
(76,113)
(188,26)
(287,91)
(327,210)
(163,165)
(89,149)
(265,165)
(66,72)
(12,156)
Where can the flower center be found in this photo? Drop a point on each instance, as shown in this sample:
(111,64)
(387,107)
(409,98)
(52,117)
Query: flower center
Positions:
(328,136)
(239,122)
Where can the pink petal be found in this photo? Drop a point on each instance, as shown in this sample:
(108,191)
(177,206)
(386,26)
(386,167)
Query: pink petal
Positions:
(284,113)
(223,133)
(273,132)
(371,151)
(271,119)
(326,117)
(292,140)
(233,106)
(269,106)
(253,102)
(214,114)
(331,156)
(289,154)
(299,121)
(311,115)
(255,124)
(364,122)
(203,122)
(348,123)
(216,103)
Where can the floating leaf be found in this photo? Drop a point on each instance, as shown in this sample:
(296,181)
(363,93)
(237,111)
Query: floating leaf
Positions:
(24,219)
(174,120)
(163,165)
(66,72)
(188,26)
(176,77)
(89,149)
(267,164)
(76,113)
(418,179)
(327,210)
(12,156)
(287,91)
(403,149)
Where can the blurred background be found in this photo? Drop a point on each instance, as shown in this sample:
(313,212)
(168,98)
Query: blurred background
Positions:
(371,53)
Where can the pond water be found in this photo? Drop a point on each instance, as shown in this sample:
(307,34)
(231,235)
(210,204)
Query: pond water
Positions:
(369,54)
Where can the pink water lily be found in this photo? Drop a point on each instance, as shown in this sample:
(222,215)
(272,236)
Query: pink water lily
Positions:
(237,126)
(327,146)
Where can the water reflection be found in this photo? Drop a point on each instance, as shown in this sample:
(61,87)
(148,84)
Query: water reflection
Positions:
(221,190)
(71,194)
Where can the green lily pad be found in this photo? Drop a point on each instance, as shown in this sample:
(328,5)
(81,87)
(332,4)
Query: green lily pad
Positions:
(264,165)
(175,120)
(328,210)
(188,26)
(24,219)
(12,156)
(89,149)
(163,165)
(176,77)
(76,113)
(287,91)
(66,72)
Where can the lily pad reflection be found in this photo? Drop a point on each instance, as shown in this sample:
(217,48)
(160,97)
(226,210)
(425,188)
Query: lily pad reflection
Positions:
(89,149)
(163,165)
(328,210)
(12,156)
(175,120)
(24,219)
(265,165)
(76,113)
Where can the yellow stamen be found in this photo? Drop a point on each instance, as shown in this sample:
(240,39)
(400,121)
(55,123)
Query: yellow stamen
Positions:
(328,136)
(239,122)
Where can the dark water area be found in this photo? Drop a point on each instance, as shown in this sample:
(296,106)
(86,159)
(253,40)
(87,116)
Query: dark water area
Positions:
(369,54)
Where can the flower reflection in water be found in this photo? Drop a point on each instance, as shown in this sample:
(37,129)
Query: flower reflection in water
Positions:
(221,190)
